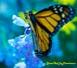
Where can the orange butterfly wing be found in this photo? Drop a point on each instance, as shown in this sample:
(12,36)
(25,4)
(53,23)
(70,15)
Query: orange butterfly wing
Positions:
(43,27)
(44,23)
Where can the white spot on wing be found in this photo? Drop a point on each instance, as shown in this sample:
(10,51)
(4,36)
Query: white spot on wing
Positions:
(55,8)
(63,15)
(61,9)
(56,11)
(63,20)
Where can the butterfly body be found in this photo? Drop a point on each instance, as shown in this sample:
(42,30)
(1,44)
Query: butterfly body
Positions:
(46,23)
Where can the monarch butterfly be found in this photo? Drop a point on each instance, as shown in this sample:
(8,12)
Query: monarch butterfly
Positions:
(46,23)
